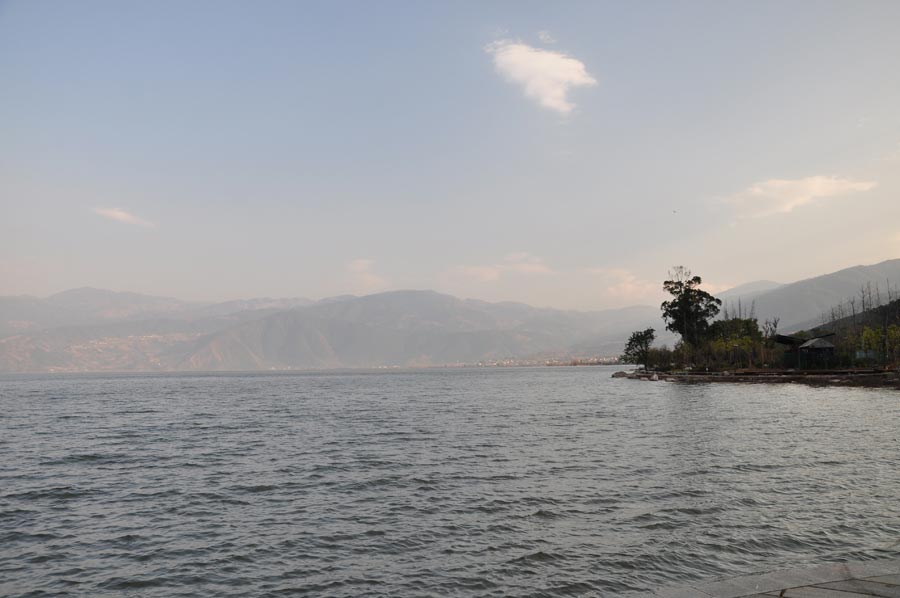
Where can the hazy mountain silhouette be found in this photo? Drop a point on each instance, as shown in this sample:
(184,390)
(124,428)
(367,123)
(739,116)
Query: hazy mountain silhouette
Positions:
(801,304)
(386,329)
(88,305)
(96,330)
(749,290)
(410,328)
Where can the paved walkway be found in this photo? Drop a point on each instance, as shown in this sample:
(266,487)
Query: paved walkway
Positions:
(838,580)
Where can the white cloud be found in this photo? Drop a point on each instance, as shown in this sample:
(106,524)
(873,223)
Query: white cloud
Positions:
(545,37)
(782,196)
(546,76)
(363,278)
(120,215)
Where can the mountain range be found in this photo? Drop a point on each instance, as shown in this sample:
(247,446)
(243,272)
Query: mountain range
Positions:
(98,330)
(800,305)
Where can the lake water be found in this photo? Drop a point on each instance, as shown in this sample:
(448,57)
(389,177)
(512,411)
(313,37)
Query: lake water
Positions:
(493,482)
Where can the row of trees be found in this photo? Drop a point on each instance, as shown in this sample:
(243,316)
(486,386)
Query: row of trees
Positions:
(735,340)
(866,326)
(865,330)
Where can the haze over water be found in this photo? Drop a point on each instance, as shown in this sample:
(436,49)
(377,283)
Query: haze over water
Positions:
(532,482)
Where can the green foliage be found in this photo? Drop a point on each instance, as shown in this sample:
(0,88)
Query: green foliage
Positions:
(877,344)
(691,308)
(729,343)
(638,347)
(661,358)
(737,342)
(869,336)
(735,329)
(893,343)
(870,339)
(866,330)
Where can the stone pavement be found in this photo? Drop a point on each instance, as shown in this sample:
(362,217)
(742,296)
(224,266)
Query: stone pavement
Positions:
(837,580)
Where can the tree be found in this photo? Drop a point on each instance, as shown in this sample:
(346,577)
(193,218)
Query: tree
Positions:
(689,311)
(638,347)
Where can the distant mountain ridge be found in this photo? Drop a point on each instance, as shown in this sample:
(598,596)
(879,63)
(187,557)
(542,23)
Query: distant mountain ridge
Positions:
(102,304)
(800,305)
(88,306)
(411,328)
(95,330)
(750,289)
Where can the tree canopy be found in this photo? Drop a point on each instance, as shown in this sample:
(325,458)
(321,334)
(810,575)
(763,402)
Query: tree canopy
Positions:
(638,347)
(690,309)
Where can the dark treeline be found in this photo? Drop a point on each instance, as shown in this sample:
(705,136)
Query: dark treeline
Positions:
(866,327)
(864,332)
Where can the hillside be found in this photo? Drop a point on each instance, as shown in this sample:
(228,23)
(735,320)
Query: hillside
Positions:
(800,305)
(749,290)
(411,328)
(402,328)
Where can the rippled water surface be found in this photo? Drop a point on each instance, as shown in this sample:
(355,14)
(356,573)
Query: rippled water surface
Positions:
(531,482)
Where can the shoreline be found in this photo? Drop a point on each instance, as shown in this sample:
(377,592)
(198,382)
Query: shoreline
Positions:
(846,378)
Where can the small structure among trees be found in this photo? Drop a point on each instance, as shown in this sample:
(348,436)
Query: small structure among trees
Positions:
(814,353)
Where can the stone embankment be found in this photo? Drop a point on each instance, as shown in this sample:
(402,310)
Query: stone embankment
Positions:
(831,580)
(857,377)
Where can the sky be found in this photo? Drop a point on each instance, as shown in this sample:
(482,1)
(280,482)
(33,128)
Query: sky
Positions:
(562,154)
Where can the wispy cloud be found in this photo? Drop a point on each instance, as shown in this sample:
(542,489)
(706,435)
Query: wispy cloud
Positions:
(546,76)
(782,196)
(120,215)
(893,155)
(480,273)
(545,37)
(623,285)
(521,276)
(365,280)
(525,263)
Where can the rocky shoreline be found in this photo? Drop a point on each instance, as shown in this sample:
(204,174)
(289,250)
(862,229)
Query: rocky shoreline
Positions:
(851,378)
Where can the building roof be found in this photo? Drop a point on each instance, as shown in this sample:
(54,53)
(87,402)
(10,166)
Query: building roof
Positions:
(783,339)
(817,343)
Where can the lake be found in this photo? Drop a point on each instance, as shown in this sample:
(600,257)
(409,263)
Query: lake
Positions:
(477,482)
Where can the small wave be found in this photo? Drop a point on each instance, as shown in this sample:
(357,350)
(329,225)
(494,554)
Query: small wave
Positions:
(16,536)
(539,557)
(48,558)
(757,467)
(253,489)
(85,458)
(127,539)
(681,494)
(56,493)
(543,514)
(132,583)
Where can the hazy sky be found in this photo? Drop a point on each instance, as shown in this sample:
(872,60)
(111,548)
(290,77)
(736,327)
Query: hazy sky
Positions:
(560,153)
